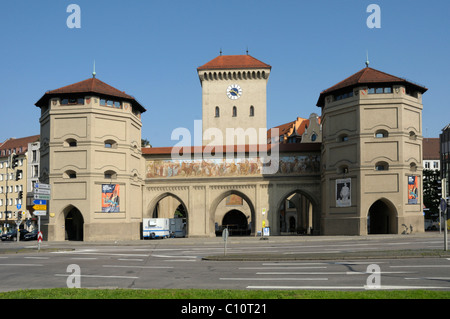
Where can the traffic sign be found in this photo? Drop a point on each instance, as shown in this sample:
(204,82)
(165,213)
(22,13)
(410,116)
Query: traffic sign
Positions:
(40,207)
(40,213)
(41,191)
(39,202)
(40,237)
(41,185)
(41,196)
(19,206)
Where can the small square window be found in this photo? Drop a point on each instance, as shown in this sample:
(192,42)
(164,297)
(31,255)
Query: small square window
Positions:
(102,102)
(371,91)
(379,90)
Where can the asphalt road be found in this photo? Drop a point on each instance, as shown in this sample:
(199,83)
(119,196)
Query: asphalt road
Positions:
(332,263)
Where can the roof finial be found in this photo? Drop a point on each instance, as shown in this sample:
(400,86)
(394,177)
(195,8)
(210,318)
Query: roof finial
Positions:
(247,50)
(367,59)
(93,72)
(220,51)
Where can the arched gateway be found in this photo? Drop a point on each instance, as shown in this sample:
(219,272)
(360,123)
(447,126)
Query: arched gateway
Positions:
(361,158)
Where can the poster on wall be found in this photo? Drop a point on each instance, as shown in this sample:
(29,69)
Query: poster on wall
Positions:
(343,192)
(110,198)
(413,192)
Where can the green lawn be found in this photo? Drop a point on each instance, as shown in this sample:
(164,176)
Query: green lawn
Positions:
(66,293)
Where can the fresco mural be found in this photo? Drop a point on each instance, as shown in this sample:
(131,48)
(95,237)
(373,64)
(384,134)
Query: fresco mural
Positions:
(306,164)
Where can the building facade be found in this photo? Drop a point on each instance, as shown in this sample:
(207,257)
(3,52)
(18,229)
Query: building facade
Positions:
(14,187)
(357,169)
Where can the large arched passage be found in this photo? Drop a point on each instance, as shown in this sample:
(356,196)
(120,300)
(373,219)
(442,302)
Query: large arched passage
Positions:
(382,218)
(298,214)
(73,224)
(235,211)
(236,223)
(168,205)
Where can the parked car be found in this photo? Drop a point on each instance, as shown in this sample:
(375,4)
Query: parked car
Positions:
(32,235)
(12,235)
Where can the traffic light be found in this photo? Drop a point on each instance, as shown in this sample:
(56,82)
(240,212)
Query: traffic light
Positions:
(18,174)
(19,215)
(20,194)
(15,161)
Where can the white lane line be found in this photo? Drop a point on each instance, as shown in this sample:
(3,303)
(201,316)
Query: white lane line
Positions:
(24,265)
(36,257)
(171,256)
(429,278)
(421,266)
(332,273)
(277,279)
(346,287)
(293,264)
(99,254)
(83,258)
(286,267)
(141,267)
(96,276)
(130,259)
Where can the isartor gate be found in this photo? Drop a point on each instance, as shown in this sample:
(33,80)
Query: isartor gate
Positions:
(238,192)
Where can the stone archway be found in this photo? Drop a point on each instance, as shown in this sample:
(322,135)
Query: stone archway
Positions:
(236,223)
(172,206)
(73,224)
(298,213)
(382,218)
(248,215)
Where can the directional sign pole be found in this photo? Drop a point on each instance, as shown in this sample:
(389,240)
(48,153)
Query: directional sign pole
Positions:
(225,239)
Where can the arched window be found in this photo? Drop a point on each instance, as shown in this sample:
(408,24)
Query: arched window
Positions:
(342,138)
(110,174)
(110,144)
(217,111)
(381,166)
(252,110)
(70,174)
(234,111)
(70,142)
(381,134)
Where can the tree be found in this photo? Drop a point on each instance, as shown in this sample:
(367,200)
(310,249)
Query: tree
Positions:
(145,143)
(431,192)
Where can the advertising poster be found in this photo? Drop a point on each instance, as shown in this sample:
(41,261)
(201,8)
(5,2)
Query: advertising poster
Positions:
(343,192)
(412,190)
(110,198)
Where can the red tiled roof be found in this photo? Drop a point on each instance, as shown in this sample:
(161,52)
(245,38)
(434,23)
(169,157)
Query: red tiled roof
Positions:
(15,144)
(234,62)
(366,76)
(431,148)
(92,85)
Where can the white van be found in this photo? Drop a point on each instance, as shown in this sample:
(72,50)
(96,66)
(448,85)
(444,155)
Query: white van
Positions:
(155,228)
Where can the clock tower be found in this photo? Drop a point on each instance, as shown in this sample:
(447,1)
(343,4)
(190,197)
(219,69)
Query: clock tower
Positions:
(234,100)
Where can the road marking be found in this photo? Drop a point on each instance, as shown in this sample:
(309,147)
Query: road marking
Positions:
(421,266)
(24,265)
(83,258)
(143,267)
(96,276)
(346,287)
(332,273)
(171,256)
(430,278)
(36,257)
(311,267)
(130,259)
(97,253)
(278,279)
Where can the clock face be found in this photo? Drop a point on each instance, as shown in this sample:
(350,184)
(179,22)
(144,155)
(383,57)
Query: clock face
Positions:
(234,91)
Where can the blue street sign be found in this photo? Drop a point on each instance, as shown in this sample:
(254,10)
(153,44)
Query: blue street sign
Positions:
(19,206)
(40,202)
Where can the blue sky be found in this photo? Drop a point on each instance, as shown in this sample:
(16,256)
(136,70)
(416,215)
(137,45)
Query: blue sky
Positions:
(151,50)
